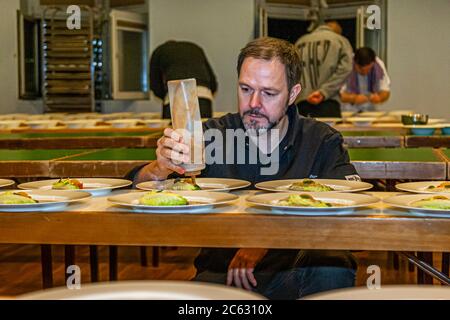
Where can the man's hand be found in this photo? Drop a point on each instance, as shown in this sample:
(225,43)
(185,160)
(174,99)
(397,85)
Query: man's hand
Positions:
(360,99)
(240,270)
(171,152)
(315,98)
(375,98)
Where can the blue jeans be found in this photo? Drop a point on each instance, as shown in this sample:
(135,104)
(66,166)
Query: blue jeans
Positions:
(313,271)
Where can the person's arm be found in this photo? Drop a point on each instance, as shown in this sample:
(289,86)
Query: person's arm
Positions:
(156,75)
(379,97)
(342,71)
(171,151)
(353,98)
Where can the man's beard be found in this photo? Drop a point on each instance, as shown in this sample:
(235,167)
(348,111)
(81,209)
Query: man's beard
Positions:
(254,127)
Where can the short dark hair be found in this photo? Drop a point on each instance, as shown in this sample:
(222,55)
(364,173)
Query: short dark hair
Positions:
(364,56)
(268,48)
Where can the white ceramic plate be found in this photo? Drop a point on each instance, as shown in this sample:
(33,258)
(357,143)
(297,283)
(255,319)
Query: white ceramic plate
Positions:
(362,121)
(386,292)
(146,290)
(156,123)
(48,200)
(345,203)
(6,182)
(420,187)
(202,201)
(405,202)
(96,187)
(337,185)
(329,121)
(207,184)
(375,114)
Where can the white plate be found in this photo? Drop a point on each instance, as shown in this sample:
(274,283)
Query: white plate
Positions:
(337,185)
(404,201)
(420,187)
(362,121)
(347,201)
(156,123)
(146,290)
(386,292)
(204,201)
(375,114)
(207,184)
(52,200)
(96,187)
(6,182)
(329,121)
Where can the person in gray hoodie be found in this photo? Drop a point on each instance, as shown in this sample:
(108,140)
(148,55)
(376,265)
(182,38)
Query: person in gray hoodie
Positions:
(326,63)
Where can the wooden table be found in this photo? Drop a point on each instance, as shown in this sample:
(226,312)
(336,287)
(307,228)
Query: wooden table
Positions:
(98,222)
(78,140)
(436,141)
(372,139)
(446,153)
(374,163)
(399,163)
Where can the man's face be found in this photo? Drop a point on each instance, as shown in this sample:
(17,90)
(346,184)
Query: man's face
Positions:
(364,70)
(263,93)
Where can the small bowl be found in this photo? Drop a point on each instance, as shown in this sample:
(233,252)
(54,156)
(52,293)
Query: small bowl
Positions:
(415,119)
(422,130)
(446,129)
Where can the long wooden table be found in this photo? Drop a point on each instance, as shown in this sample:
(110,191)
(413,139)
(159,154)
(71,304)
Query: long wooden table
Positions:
(78,140)
(371,163)
(399,163)
(98,222)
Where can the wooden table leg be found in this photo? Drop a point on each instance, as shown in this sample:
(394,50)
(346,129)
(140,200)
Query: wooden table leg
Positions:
(93,260)
(155,257)
(422,277)
(445,263)
(143,251)
(113,263)
(46,263)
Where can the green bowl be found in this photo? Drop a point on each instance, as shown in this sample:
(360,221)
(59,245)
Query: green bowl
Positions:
(414,119)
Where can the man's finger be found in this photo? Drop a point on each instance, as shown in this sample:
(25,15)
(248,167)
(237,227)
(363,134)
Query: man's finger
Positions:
(172,144)
(251,277)
(230,277)
(236,278)
(244,280)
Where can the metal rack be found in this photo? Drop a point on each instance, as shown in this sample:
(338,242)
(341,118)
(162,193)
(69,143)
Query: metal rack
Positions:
(67,61)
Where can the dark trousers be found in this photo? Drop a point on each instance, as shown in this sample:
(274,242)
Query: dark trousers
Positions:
(312,271)
(205,109)
(325,109)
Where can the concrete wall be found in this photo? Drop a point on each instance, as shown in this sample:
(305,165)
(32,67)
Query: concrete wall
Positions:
(419,56)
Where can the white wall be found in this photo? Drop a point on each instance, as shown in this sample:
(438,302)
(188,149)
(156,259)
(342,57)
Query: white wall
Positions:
(220,27)
(419,56)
